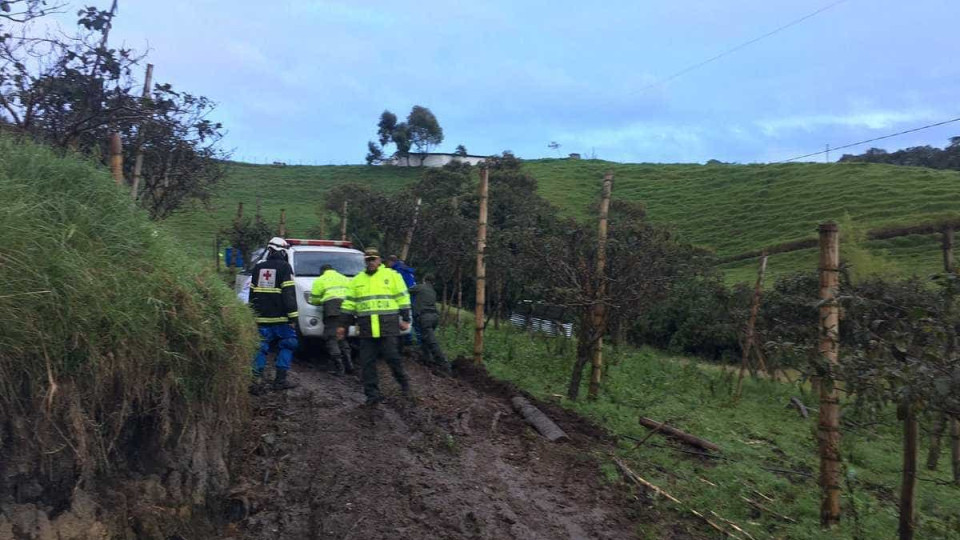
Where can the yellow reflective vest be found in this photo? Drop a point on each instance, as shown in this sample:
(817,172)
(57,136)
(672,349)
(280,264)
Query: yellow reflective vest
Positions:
(329,291)
(378,301)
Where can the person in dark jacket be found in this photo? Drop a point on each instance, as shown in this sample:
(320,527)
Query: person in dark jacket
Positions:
(426,315)
(273,297)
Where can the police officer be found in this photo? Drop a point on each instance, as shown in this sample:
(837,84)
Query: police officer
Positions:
(426,315)
(328,291)
(379,304)
(273,297)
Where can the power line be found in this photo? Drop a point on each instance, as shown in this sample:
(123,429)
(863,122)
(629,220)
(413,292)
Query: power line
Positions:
(870,140)
(745,44)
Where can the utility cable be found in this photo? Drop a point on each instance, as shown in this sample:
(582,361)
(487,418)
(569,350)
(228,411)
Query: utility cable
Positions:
(743,45)
(835,148)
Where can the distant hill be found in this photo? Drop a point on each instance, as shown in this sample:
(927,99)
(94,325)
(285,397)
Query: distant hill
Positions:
(730,208)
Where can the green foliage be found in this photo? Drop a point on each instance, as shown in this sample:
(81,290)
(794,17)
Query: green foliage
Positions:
(109,329)
(917,156)
(698,316)
(74,92)
(421,130)
(247,234)
(861,263)
(756,433)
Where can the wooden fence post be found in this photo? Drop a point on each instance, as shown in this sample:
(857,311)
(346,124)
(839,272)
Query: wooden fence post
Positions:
(908,485)
(955,450)
(282,228)
(481,298)
(343,221)
(459,296)
(599,314)
(116,157)
(748,339)
(138,163)
(405,250)
(239,211)
(949,265)
(829,425)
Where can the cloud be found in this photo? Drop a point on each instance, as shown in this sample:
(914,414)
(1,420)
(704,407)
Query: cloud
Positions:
(775,127)
(346,12)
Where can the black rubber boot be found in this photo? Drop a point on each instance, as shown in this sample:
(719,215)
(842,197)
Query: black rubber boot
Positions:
(281,382)
(336,367)
(257,387)
(443,370)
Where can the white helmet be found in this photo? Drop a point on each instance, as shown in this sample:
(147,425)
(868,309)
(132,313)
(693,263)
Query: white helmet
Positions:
(278,244)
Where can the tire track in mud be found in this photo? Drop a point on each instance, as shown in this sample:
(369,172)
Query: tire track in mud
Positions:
(457,464)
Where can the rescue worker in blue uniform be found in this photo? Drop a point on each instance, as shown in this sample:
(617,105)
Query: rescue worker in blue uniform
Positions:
(410,279)
(273,298)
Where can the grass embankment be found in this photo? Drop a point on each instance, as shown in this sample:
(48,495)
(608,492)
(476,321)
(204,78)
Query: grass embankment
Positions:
(297,189)
(730,208)
(114,342)
(756,434)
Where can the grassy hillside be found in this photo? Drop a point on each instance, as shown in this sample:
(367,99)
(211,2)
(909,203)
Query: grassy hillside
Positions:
(730,208)
(298,189)
(736,208)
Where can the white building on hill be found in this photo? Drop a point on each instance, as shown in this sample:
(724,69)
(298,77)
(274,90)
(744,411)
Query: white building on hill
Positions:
(432,159)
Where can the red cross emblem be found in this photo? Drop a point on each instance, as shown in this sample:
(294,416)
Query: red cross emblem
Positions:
(267,274)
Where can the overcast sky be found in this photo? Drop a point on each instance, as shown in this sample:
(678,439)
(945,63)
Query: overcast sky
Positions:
(306,80)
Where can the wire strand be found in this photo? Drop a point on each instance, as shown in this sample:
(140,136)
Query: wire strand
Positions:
(743,45)
(897,134)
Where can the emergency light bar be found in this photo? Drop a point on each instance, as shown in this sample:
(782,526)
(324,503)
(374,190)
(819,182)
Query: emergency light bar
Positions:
(329,243)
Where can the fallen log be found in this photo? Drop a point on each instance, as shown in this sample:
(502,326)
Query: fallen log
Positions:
(799,406)
(537,419)
(677,434)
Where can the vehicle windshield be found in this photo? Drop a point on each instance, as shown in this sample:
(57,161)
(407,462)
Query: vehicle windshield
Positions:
(308,263)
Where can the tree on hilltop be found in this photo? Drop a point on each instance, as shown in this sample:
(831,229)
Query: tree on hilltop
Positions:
(421,130)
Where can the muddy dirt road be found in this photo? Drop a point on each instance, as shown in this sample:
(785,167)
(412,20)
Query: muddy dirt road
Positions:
(458,463)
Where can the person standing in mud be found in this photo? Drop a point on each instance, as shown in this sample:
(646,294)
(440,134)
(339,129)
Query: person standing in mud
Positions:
(425,315)
(328,291)
(273,297)
(379,304)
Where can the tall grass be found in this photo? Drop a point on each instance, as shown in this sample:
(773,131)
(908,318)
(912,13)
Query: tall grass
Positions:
(108,331)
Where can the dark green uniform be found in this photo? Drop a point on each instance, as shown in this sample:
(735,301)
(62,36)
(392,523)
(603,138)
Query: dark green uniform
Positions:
(426,314)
